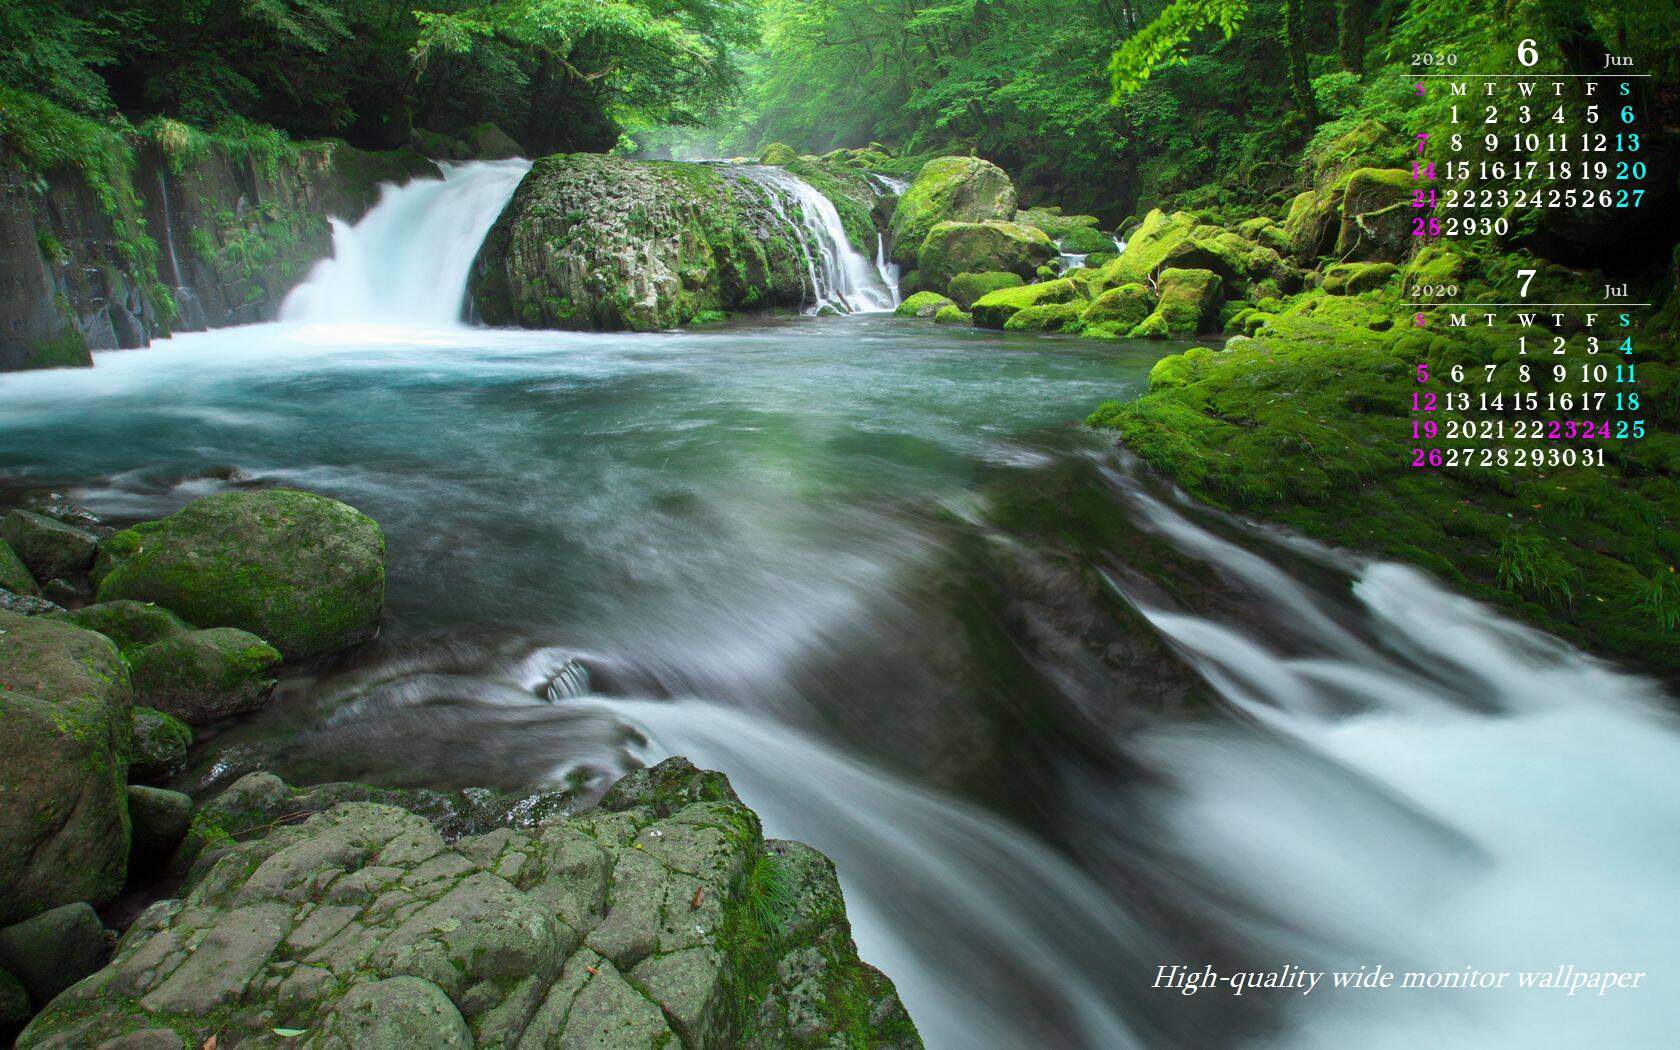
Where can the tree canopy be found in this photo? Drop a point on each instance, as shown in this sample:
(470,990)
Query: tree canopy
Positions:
(554,73)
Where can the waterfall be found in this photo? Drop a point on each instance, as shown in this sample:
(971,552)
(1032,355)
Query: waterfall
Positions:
(886,185)
(1066,260)
(189,315)
(407,260)
(840,277)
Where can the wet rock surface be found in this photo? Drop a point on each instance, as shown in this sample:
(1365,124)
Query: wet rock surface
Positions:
(660,918)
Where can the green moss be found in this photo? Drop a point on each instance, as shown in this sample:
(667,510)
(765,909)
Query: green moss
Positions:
(923,304)
(965,288)
(1306,425)
(994,309)
(1046,317)
(1148,247)
(960,189)
(1123,307)
(14,574)
(1353,278)
(952,315)
(952,248)
(1189,304)
(1661,600)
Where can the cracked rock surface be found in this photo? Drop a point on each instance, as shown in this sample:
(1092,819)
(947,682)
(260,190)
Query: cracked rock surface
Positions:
(661,918)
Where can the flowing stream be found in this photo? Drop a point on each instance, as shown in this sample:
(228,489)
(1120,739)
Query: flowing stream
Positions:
(1057,725)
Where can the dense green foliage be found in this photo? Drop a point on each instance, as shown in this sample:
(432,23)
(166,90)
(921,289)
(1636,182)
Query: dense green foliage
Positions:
(1114,106)
(553,73)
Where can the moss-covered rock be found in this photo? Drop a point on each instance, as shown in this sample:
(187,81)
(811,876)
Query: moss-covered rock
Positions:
(52,951)
(952,248)
(596,242)
(303,572)
(1310,225)
(128,623)
(1353,278)
(1124,307)
(1147,248)
(14,1003)
(202,676)
(1298,425)
(1083,240)
(922,304)
(949,189)
(15,575)
(65,704)
(49,547)
(1242,265)
(965,288)
(1051,220)
(1189,304)
(661,918)
(1265,231)
(158,747)
(779,153)
(1438,267)
(994,309)
(1376,215)
(160,820)
(1046,317)
(488,142)
(952,315)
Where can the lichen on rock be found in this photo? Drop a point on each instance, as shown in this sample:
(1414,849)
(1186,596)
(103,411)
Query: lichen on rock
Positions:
(662,917)
(593,242)
(304,573)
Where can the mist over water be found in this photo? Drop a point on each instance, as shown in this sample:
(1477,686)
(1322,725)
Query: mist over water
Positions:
(1056,725)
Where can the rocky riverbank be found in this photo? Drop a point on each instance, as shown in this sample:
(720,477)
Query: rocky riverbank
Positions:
(112,238)
(346,914)
(1295,410)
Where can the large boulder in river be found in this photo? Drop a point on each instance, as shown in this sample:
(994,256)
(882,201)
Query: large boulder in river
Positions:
(594,242)
(302,572)
(65,703)
(201,676)
(951,248)
(949,189)
(662,918)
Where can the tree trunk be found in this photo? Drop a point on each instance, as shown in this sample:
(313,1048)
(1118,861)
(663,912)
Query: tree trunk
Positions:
(1295,50)
(1353,19)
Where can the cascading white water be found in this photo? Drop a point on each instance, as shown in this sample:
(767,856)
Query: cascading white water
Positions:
(1452,790)
(841,277)
(887,185)
(407,260)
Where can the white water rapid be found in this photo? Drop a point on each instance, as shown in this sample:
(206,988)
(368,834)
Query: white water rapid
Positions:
(406,261)
(841,277)
(1427,786)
